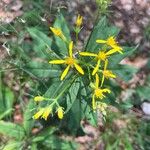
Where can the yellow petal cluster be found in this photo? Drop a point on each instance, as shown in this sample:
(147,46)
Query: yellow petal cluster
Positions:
(70,61)
(43,113)
(79,21)
(58,32)
(101,56)
(98,93)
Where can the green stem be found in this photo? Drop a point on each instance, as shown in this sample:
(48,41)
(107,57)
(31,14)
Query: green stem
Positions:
(63,91)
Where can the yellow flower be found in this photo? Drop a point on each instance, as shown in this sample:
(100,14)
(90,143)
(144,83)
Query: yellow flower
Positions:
(107,73)
(38,98)
(58,33)
(70,61)
(38,114)
(60,112)
(111,41)
(98,92)
(102,55)
(79,21)
(46,112)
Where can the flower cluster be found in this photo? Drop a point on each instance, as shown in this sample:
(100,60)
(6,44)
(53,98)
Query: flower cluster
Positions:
(99,69)
(44,112)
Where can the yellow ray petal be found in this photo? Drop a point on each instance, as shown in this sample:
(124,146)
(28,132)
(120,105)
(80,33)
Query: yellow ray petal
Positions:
(56,31)
(78,68)
(106,64)
(103,78)
(65,72)
(97,81)
(114,50)
(57,61)
(106,90)
(101,41)
(70,48)
(93,102)
(87,54)
(108,74)
(38,114)
(96,67)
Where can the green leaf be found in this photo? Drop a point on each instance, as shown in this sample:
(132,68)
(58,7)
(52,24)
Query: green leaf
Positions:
(92,117)
(44,134)
(54,142)
(13,145)
(12,130)
(34,146)
(7,99)
(143,92)
(41,43)
(27,118)
(5,113)
(57,86)
(78,108)
(61,23)
(42,70)
(126,105)
(125,72)
(72,94)
(117,57)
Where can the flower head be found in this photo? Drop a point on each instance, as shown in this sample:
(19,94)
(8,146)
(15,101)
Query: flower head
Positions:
(111,41)
(60,112)
(70,61)
(58,33)
(101,56)
(79,21)
(98,92)
(38,98)
(43,113)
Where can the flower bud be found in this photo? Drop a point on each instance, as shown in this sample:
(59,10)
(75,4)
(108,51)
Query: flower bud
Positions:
(38,98)
(60,112)
(46,112)
(79,21)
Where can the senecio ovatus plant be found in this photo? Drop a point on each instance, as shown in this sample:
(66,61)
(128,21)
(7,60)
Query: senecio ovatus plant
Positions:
(83,76)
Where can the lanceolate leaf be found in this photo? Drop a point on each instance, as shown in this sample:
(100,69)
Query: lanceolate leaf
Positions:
(41,44)
(12,130)
(61,23)
(13,145)
(117,57)
(27,118)
(72,94)
(124,72)
(42,69)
